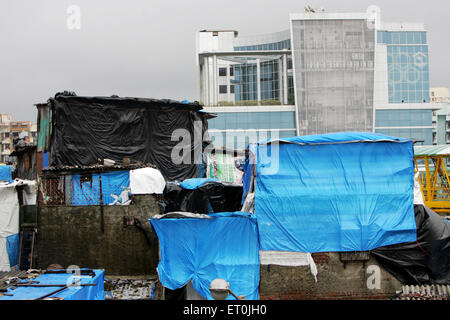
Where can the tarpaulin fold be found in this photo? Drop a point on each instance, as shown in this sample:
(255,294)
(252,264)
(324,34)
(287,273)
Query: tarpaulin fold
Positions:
(86,129)
(425,261)
(202,250)
(334,192)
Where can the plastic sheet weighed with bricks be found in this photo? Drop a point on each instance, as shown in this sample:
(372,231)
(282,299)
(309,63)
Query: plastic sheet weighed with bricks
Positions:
(334,192)
(88,128)
(425,261)
(198,249)
(73,293)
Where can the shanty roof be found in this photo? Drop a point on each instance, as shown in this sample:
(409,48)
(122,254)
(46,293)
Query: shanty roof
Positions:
(443,149)
(22,150)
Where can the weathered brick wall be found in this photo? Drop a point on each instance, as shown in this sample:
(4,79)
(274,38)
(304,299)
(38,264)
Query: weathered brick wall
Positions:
(76,235)
(334,281)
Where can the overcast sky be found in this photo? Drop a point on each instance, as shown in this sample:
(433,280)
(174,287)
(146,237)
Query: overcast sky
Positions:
(141,48)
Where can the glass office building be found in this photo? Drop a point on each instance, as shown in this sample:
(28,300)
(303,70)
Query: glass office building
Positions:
(407,54)
(406,110)
(334,74)
(329,72)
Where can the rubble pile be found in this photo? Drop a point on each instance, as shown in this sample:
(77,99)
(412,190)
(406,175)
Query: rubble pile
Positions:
(130,289)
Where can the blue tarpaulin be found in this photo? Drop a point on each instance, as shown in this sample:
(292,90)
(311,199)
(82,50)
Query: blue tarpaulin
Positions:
(12,247)
(114,183)
(5,173)
(73,293)
(195,183)
(246,178)
(85,192)
(45,160)
(334,192)
(202,250)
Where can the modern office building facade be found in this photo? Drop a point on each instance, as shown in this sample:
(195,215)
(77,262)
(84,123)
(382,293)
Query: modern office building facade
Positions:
(329,72)
(403,106)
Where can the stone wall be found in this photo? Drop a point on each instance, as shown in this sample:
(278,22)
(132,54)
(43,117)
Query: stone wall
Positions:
(355,280)
(95,237)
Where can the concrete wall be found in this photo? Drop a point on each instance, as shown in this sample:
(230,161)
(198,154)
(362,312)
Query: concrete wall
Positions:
(333,280)
(76,235)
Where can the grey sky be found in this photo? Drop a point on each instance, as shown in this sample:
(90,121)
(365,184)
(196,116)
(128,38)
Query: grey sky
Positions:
(143,48)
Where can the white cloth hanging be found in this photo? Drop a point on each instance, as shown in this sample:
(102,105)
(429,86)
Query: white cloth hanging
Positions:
(288,258)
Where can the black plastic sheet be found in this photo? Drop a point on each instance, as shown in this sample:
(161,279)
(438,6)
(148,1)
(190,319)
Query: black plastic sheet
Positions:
(425,261)
(211,196)
(86,129)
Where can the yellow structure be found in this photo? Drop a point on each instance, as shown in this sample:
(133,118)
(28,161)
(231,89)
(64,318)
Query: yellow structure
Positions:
(431,163)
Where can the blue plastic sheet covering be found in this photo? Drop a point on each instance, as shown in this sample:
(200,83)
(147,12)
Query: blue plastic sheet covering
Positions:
(224,247)
(86,193)
(73,293)
(45,160)
(195,183)
(5,173)
(246,178)
(321,193)
(114,183)
(12,247)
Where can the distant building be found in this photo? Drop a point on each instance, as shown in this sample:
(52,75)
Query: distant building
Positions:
(440,94)
(6,145)
(329,72)
(13,129)
(441,125)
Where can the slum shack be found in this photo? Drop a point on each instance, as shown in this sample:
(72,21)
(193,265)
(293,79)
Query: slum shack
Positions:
(25,162)
(329,216)
(105,162)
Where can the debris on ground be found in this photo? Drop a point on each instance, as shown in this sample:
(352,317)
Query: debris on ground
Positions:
(129,288)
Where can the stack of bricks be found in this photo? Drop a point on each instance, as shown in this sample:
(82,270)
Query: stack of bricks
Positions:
(321,257)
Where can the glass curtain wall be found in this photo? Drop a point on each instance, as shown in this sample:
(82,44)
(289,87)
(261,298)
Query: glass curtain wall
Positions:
(334,73)
(408,68)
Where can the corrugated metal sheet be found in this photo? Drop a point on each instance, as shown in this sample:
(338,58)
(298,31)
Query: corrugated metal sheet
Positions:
(424,292)
(432,150)
(44,127)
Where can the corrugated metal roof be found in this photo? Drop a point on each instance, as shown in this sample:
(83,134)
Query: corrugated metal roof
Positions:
(432,150)
(424,292)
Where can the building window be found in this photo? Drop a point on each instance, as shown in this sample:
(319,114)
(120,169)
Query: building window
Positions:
(231,88)
(231,72)
(222,89)
(6,135)
(33,134)
(222,72)
(15,134)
